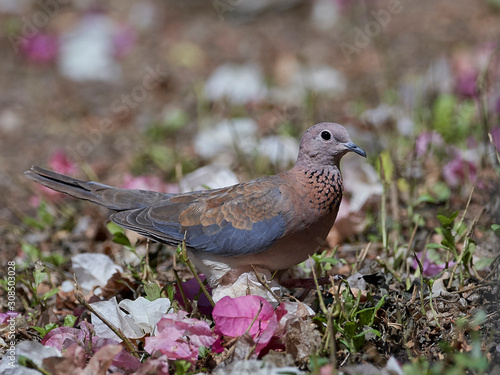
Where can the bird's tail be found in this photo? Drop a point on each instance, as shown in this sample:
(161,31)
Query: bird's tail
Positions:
(113,198)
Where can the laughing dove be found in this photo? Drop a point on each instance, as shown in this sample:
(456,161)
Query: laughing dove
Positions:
(273,222)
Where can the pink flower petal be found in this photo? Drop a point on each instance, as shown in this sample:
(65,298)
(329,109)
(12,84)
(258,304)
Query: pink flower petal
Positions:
(459,171)
(179,337)
(426,139)
(61,338)
(235,316)
(60,163)
(148,183)
(430,268)
(5,317)
(123,40)
(40,48)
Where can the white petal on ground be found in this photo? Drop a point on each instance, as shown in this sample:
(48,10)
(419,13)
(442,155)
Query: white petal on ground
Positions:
(87,51)
(93,270)
(239,84)
(324,14)
(256,367)
(213,176)
(280,150)
(247,283)
(112,313)
(361,180)
(140,316)
(227,136)
(320,79)
(385,114)
(30,349)
(146,313)
(356,281)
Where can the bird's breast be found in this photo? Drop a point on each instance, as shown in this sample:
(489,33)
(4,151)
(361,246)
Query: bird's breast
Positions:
(324,190)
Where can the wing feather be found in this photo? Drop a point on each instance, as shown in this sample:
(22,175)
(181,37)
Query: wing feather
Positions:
(242,219)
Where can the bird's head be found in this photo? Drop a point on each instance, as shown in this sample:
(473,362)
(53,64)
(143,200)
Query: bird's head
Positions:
(325,144)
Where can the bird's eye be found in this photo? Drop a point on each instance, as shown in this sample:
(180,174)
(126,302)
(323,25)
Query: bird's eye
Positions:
(326,135)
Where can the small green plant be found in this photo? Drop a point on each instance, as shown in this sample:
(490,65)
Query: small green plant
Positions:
(69,321)
(454,233)
(34,254)
(45,329)
(43,220)
(145,273)
(182,367)
(32,283)
(152,290)
(325,262)
(351,319)
(355,321)
(120,238)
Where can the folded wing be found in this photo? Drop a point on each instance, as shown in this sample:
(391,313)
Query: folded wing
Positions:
(241,219)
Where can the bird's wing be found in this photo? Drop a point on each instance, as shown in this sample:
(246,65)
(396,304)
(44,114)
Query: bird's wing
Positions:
(242,219)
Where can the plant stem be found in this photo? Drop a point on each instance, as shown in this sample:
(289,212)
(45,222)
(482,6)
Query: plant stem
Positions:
(195,274)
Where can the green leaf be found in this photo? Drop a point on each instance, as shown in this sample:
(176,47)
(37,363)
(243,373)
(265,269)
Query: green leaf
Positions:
(44,330)
(170,292)
(55,259)
(441,191)
(69,320)
(483,262)
(379,305)
(175,119)
(350,329)
(443,116)
(39,275)
(446,243)
(181,367)
(49,294)
(161,155)
(45,216)
(24,361)
(152,290)
(122,239)
(330,260)
(425,198)
(365,316)
(388,166)
(114,229)
(447,222)
(496,229)
(31,251)
(32,222)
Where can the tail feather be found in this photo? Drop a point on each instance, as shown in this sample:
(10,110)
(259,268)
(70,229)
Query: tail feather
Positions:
(115,199)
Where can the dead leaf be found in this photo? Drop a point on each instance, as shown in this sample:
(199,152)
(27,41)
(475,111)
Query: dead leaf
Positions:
(301,339)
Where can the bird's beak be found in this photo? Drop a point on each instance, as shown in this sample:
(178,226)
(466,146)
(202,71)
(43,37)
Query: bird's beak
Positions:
(358,150)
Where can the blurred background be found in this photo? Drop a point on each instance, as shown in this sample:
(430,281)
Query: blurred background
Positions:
(182,95)
(140,94)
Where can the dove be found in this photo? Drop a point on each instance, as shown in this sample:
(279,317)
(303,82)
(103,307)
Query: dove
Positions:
(272,223)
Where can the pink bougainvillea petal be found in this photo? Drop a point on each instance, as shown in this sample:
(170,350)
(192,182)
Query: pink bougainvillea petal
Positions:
(59,162)
(179,337)
(61,337)
(235,316)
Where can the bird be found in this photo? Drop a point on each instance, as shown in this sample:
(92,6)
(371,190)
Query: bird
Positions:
(272,222)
